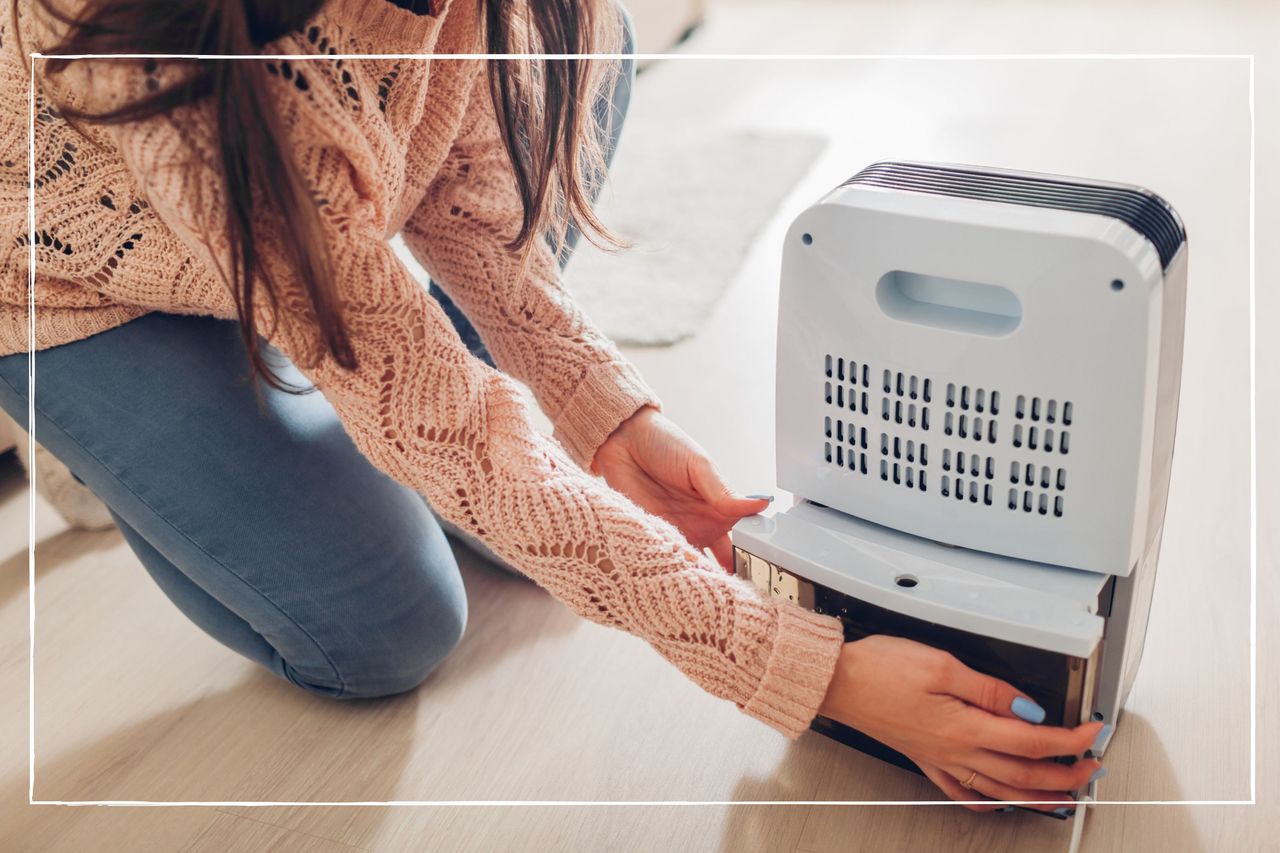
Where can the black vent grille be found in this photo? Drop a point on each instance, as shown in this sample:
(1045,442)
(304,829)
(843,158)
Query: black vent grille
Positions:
(1144,211)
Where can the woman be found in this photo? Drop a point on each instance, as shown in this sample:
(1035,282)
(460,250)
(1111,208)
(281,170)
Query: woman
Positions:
(186,212)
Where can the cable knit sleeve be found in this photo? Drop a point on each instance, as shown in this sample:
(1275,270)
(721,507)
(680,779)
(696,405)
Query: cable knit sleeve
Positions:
(432,416)
(429,414)
(528,320)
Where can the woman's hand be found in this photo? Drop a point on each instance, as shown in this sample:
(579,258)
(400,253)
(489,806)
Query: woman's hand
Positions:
(650,460)
(953,721)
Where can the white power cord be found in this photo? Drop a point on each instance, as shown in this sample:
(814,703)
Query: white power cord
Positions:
(1077,822)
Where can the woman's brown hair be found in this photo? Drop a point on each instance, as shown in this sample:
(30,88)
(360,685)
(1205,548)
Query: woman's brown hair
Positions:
(544,108)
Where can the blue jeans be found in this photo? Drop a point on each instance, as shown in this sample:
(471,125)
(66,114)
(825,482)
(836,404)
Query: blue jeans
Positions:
(263,524)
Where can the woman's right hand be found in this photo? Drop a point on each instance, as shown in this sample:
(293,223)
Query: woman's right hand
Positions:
(953,721)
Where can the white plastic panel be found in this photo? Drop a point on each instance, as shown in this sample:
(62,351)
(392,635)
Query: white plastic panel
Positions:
(976,373)
(1033,604)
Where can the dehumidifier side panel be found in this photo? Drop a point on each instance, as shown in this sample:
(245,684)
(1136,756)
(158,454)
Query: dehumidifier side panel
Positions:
(1131,605)
(1125,637)
(1168,393)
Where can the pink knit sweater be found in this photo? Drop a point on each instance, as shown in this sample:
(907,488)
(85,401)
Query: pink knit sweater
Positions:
(128,223)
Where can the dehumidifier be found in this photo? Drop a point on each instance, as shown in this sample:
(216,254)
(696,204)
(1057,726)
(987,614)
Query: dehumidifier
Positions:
(977,388)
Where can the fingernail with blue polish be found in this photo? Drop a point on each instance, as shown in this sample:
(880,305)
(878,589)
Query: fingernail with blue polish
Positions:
(1027,710)
(1064,812)
(1098,774)
(1007,809)
(1101,739)
(768,498)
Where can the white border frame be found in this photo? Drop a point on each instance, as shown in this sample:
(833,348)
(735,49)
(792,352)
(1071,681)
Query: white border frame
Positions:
(1253,445)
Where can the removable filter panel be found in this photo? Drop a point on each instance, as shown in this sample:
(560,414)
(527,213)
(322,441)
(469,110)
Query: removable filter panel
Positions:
(1031,604)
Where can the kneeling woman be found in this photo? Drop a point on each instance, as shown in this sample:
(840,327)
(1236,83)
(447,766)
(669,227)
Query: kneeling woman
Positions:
(199,222)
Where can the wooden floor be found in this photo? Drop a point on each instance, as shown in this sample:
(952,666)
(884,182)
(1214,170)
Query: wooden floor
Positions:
(134,703)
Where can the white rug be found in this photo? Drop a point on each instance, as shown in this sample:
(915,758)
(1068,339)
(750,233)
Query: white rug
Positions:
(690,204)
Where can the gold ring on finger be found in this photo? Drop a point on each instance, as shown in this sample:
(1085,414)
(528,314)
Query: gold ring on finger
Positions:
(967,784)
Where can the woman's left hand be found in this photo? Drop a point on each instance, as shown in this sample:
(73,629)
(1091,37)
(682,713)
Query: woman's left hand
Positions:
(651,460)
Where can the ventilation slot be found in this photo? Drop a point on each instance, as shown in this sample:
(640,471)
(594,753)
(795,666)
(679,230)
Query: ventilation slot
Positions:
(906,414)
(975,413)
(1038,409)
(908,385)
(903,449)
(970,399)
(846,384)
(966,490)
(900,474)
(848,371)
(974,474)
(906,398)
(903,462)
(846,445)
(1037,489)
(1045,427)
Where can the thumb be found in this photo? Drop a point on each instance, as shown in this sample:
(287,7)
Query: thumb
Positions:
(993,695)
(707,483)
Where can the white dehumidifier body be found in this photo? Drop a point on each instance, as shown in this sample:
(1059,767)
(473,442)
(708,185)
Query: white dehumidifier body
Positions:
(977,389)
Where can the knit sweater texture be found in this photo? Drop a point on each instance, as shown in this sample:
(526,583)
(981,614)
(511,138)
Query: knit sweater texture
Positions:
(129,221)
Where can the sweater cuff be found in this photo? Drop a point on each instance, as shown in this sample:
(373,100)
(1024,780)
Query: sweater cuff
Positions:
(610,393)
(799,670)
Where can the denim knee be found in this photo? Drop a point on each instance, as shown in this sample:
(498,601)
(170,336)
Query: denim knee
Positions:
(393,661)
(421,652)
(405,619)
